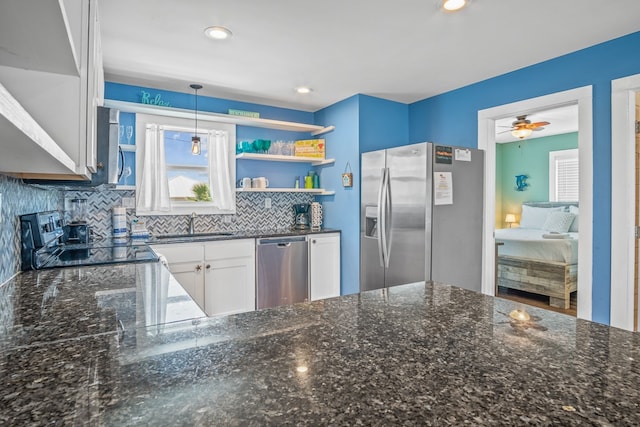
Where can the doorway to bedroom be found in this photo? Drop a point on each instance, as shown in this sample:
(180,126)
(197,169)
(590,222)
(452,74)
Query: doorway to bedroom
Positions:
(537,205)
(495,213)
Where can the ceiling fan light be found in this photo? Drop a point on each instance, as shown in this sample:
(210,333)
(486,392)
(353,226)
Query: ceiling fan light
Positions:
(453,5)
(521,133)
(217,32)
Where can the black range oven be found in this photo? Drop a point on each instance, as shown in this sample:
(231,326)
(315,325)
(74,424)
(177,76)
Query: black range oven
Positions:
(45,244)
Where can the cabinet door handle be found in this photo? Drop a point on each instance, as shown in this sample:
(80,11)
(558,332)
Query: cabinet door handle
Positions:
(313,241)
(208,266)
(198,267)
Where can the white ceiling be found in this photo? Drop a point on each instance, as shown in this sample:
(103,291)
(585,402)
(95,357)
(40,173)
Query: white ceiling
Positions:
(404,51)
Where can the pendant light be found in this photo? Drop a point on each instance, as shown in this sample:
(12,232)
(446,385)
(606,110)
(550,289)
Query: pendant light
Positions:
(195,139)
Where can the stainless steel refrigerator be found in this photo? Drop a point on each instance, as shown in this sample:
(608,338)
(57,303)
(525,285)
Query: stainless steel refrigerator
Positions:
(421,216)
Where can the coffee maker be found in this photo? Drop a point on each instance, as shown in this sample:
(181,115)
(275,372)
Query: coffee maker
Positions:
(301,211)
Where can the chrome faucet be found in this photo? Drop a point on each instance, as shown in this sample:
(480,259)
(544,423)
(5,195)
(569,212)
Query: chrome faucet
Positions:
(191,220)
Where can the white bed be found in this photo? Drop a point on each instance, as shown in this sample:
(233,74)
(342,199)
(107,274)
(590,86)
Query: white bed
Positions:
(529,243)
(529,262)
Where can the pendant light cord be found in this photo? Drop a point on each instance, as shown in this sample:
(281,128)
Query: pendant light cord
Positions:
(195,88)
(196,131)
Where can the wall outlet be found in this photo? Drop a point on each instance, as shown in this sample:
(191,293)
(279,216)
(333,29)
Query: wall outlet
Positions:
(267,203)
(227,219)
(129,202)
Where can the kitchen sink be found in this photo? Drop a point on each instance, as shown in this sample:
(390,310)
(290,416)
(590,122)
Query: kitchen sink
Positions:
(187,235)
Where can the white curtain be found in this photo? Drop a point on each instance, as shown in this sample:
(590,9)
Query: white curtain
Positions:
(153,191)
(220,179)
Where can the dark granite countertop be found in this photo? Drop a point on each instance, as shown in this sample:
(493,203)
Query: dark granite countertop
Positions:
(411,355)
(230,235)
(53,305)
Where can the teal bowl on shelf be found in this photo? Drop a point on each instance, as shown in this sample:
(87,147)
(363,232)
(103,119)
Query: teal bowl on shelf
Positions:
(246,147)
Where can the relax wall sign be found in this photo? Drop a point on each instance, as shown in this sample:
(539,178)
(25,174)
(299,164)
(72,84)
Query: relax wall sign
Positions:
(149,99)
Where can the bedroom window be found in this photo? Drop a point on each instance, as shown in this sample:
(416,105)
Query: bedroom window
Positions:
(564,181)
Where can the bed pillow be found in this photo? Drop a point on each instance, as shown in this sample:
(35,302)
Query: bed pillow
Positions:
(533,217)
(574,225)
(558,222)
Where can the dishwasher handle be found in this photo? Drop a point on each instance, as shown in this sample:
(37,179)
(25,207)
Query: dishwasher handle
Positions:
(281,242)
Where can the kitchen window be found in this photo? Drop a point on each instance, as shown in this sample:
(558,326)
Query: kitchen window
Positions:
(171,180)
(564,181)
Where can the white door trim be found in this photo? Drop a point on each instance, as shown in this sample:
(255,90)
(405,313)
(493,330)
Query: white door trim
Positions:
(622,200)
(486,141)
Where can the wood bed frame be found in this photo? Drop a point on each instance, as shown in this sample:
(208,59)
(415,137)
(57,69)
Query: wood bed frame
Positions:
(553,279)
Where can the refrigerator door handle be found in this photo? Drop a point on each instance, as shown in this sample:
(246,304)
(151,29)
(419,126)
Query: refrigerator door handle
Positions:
(384,211)
(388,219)
(379,216)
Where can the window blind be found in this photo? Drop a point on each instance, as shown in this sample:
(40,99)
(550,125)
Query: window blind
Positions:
(567,183)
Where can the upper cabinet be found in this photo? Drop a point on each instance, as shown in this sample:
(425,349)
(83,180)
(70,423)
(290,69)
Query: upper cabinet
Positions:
(51,82)
(42,35)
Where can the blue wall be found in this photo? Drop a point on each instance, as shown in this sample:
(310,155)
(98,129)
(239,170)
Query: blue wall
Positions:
(342,210)
(383,123)
(451,118)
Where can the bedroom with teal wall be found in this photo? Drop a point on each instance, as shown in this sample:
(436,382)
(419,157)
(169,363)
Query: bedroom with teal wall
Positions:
(527,157)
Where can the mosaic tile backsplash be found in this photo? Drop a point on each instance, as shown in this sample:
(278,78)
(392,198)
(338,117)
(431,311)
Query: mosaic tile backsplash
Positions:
(18,199)
(250,213)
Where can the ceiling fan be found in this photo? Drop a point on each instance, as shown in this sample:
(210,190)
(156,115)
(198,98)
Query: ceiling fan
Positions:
(522,128)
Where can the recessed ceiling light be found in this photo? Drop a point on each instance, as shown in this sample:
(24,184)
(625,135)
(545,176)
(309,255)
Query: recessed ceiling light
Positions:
(303,89)
(217,32)
(453,5)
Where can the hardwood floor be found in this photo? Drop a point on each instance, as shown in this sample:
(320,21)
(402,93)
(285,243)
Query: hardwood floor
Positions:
(537,300)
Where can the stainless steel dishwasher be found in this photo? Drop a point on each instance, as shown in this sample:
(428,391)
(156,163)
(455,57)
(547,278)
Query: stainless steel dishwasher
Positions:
(282,276)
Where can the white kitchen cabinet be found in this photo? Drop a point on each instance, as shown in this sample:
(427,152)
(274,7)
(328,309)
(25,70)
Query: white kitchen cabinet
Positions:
(186,264)
(51,83)
(324,265)
(189,275)
(229,277)
(219,276)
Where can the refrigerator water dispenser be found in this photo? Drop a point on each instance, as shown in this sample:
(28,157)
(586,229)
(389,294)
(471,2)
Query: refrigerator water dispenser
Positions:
(371,224)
